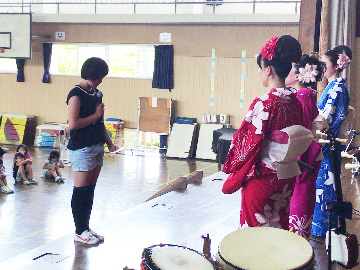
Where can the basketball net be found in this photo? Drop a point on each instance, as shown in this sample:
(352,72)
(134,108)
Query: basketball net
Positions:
(2,50)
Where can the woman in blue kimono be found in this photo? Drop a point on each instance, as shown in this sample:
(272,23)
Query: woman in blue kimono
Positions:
(332,105)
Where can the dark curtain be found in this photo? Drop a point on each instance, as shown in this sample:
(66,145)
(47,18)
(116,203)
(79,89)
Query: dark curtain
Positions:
(20,63)
(47,49)
(163,77)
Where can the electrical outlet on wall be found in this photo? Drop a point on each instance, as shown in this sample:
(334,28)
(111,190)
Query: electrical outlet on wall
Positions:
(60,35)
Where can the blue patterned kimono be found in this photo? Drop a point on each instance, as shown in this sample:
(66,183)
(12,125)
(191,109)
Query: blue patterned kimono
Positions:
(332,105)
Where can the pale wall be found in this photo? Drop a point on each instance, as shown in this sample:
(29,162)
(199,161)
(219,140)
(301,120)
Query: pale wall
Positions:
(191,95)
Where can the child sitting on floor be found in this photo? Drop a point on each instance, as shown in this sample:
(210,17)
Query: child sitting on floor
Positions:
(24,171)
(3,183)
(52,167)
(27,165)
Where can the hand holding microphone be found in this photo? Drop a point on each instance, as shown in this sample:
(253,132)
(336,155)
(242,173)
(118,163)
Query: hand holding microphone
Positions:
(100,106)
(100,95)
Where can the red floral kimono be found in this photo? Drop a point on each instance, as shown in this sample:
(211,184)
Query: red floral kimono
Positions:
(267,185)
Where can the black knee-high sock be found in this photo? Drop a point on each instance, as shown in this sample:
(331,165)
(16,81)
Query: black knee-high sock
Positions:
(89,200)
(79,206)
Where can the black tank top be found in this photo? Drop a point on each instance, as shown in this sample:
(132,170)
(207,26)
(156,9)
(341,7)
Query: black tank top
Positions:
(93,133)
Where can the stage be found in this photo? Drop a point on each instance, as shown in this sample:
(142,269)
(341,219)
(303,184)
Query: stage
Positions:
(177,217)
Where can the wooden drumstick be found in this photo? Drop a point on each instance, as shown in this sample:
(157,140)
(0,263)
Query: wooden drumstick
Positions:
(320,133)
(327,141)
(322,141)
(350,166)
(346,155)
(341,140)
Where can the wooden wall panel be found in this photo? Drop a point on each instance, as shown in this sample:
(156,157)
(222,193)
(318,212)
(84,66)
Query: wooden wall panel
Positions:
(354,92)
(191,94)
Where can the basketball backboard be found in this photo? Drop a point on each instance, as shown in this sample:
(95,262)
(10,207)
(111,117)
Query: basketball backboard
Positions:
(15,35)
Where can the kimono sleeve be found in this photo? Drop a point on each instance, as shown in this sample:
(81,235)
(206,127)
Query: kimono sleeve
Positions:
(335,109)
(245,147)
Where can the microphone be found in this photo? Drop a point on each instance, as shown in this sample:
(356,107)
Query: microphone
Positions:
(99,94)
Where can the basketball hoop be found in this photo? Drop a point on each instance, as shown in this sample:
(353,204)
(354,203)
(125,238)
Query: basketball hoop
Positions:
(2,50)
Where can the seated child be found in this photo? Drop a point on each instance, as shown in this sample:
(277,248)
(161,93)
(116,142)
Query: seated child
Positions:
(3,183)
(27,165)
(52,167)
(2,152)
(24,172)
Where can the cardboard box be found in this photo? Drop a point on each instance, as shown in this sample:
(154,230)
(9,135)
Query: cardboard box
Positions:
(48,135)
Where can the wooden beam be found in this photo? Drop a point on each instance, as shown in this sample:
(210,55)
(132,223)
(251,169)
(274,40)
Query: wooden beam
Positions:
(195,177)
(324,38)
(179,183)
(357,18)
(307,25)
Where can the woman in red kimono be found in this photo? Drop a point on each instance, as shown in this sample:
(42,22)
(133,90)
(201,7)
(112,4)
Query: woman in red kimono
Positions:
(303,77)
(262,159)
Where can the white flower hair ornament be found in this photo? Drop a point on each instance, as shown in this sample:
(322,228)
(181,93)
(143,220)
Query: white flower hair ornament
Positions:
(343,60)
(308,73)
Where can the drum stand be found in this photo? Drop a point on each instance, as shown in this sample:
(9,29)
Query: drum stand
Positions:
(342,209)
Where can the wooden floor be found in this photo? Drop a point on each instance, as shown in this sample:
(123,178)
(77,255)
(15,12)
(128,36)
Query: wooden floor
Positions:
(37,219)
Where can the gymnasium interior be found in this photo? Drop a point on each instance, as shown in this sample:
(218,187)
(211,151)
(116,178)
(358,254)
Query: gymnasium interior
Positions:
(165,185)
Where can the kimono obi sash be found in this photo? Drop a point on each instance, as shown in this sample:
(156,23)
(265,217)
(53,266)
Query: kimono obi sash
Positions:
(282,148)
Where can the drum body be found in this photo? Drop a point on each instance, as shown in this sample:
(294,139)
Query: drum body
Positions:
(265,248)
(173,257)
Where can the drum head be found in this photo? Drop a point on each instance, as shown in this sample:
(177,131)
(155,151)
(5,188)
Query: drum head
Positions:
(172,257)
(265,248)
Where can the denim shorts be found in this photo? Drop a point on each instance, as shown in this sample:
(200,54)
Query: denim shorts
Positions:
(87,158)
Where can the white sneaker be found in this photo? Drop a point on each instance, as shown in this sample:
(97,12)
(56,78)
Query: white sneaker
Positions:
(8,190)
(86,238)
(33,181)
(57,179)
(62,179)
(98,236)
(3,189)
(27,182)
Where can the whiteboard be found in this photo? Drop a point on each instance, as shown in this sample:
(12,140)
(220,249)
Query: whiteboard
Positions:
(203,150)
(180,141)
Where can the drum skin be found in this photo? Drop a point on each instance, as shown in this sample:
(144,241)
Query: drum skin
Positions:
(173,257)
(265,248)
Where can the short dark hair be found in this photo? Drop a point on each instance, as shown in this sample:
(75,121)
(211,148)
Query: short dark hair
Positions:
(287,51)
(20,155)
(311,60)
(21,145)
(94,68)
(1,161)
(2,151)
(54,154)
(334,54)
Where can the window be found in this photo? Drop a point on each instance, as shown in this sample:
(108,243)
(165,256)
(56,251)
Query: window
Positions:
(8,65)
(127,61)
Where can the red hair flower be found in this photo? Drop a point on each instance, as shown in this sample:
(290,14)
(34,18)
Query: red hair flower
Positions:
(268,51)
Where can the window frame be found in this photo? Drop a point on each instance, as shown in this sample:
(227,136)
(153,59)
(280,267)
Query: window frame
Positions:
(138,61)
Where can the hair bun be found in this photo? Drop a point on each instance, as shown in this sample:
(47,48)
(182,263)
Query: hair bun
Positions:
(288,49)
